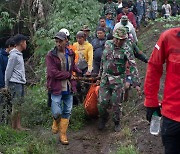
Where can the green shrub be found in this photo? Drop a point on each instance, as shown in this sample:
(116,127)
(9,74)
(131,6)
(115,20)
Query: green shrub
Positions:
(15,142)
(78,118)
(35,109)
(130,149)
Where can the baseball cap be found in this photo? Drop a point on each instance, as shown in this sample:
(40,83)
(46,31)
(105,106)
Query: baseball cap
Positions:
(61,36)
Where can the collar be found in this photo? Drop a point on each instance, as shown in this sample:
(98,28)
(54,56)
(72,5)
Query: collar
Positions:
(67,51)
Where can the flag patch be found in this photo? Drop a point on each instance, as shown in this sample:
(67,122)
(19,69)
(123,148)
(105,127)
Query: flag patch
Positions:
(157,47)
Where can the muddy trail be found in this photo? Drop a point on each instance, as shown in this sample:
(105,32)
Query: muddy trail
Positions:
(134,127)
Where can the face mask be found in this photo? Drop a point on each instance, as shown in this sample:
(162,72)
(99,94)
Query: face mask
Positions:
(124,23)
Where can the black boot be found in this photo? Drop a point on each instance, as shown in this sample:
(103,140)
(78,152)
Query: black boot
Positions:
(102,121)
(117,127)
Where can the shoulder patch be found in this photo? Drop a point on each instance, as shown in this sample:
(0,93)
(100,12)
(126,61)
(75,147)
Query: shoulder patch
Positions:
(157,47)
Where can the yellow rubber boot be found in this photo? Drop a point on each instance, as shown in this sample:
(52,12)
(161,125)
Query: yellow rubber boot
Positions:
(63,129)
(55,126)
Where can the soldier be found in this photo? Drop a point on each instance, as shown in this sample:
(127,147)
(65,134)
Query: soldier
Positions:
(110,5)
(117,52)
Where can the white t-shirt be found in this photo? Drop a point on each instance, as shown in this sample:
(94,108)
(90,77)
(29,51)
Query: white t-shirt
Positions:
(167,8)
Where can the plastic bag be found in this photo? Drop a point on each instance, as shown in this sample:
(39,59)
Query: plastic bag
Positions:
(91,100)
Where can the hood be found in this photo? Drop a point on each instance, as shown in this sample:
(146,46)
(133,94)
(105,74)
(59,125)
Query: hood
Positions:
(15,51)
(3,52)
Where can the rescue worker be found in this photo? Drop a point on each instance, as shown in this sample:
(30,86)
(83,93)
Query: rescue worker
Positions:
(87,31)
(166,51)
(125,22)
(126,12)
(110,22)
(112,6)
(60,64)
(84,53)
(102,24)
(117,52)
(98,47)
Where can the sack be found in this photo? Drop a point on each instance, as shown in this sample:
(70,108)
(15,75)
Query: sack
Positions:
(91,100)
(82,64)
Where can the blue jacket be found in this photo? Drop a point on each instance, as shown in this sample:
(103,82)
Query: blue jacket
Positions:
(3,64)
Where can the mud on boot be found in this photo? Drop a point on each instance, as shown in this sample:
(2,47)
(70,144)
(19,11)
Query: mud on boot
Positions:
(117,127)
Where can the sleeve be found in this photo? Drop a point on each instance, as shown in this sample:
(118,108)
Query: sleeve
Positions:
(139,54)
(1,74)
(103,59)
(133,68)
(9,69)
(134,20)
(54,72)
(119,17)
(154,73)
(90,58)
(75,51)
(134,34)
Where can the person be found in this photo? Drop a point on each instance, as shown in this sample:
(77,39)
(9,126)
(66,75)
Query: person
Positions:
(112,72)
(119,4)
(102,24)
(109,20)
(175,8)
(126,12)
(140,5)
(60,64)
(87,30)
(98,47)
(9,45)
(167,9)
(4,53)
(15,79)
(69,46)
(132,7)
(166,51)
(139,55)
(83,53)
(124,22)
(110,6)
(148,6)
(154,9)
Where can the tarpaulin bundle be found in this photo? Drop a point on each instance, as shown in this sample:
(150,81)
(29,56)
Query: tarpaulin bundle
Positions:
(91,100)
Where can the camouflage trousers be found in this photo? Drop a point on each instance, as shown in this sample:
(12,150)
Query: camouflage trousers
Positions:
(110,96)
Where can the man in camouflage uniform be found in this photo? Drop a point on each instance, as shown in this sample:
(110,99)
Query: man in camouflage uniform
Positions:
(110,5)
(117,52)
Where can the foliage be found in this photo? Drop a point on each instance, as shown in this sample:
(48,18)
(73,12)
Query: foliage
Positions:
(78,118)
(171,18)
(35,109)
(130,149)
(72,15)
(6,22)
(13,142)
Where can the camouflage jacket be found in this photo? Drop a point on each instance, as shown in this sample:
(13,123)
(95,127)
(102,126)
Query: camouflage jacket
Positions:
(113,64)
(112,7)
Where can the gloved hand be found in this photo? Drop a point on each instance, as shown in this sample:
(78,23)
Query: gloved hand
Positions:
(150,111)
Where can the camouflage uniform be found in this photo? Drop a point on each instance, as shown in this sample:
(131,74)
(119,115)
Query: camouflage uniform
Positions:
(110,7)
(113,74)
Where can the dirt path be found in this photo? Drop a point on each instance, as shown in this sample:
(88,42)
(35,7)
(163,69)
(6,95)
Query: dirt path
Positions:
(135,128)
